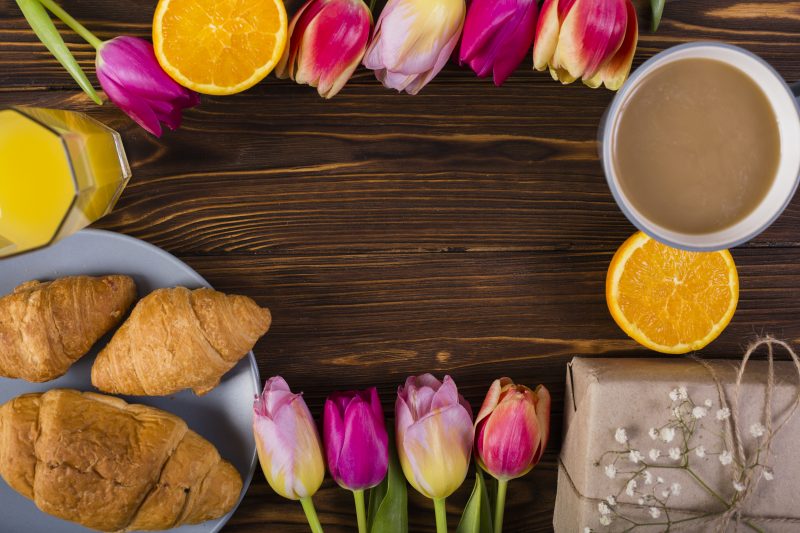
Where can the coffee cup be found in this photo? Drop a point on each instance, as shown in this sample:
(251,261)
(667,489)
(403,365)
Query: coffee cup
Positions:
(777,193)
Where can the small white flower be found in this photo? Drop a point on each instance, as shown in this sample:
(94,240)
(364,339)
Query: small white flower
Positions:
(611,471)
(708,403)
(739,486)
(673,395)
(654,454)
(659,480)
(726,457)
(675,454)
(667,434)
(612,501)
(655,512)
(621,436)
(723,413)
(587,530)
(665,494)
(768,474)
(630,487)
(676,412)
(635,456)
(700,451)
(605,520)
(603,508)
(682,394)
(648,477)
(699,412)
(640,501)
(653,432)
(675,489)
(757,430)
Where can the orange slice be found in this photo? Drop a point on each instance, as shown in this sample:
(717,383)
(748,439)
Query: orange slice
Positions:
(670,300)
(219,46)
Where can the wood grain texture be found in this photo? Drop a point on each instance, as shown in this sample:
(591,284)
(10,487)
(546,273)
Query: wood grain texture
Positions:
(465,230)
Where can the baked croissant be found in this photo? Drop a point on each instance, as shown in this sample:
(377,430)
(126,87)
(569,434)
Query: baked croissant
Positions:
(112,466)
(46,327)
(177,339)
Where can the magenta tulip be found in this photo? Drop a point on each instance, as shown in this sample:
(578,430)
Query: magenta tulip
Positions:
(134,81)
(327,39)
(497,36)
(356,443)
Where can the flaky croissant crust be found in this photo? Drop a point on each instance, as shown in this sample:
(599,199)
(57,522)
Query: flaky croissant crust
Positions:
(112,466)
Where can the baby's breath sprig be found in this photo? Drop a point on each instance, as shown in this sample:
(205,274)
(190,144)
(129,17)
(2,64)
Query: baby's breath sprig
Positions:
(673,445)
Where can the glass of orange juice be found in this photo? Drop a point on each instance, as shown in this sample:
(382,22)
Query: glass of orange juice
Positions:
(59,172)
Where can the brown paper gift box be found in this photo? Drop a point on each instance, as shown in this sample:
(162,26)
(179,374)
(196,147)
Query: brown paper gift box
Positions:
(605,394)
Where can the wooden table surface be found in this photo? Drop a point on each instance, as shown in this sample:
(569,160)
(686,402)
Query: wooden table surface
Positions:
(463,231)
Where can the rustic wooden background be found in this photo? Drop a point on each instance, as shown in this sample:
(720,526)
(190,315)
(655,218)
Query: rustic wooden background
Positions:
(466,230)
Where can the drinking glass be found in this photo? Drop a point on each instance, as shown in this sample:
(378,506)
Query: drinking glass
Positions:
(59,172)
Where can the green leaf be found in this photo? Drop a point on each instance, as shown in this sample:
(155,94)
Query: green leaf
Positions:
(388,502)
(46,31)
(477,517)
(657,7)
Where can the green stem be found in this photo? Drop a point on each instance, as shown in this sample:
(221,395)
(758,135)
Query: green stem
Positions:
(441,515)
(500,505)
(361,512)
(76,26)
(707,488)
(311,514)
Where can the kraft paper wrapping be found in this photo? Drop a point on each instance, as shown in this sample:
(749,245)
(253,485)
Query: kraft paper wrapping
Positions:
(604,394)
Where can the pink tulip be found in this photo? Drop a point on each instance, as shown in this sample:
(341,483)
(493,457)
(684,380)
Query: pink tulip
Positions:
(413,40)
(434,435)
(134,81)
(327,40)
(497,36)
(356,443)
(591,40)
(512,428)
(288,444)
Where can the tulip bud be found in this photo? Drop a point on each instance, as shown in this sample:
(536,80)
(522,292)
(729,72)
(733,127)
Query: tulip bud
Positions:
(327,40)
(434,435)
(133,80)
(413,40)
(593,40)
(356,443)
(512,428)
(287,441)
(497,36)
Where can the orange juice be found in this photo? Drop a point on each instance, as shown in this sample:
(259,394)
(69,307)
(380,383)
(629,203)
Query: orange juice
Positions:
(59,172)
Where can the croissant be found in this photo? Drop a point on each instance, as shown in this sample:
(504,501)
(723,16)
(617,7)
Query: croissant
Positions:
(112,466)
(46,327)
(177,339)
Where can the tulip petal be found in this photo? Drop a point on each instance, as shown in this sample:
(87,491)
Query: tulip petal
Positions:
(591,33)
(131,62)
(516,43)
(547,30)
(615,71)
(435,451)
(286,65)
(490,402)
(333,433)
(543,402)
(371,397)
(134,107)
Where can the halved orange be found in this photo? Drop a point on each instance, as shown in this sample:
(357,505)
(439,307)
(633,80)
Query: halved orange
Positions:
(670,300)
(219,46)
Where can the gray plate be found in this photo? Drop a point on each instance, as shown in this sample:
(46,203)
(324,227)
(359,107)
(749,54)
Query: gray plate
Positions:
(222,416)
